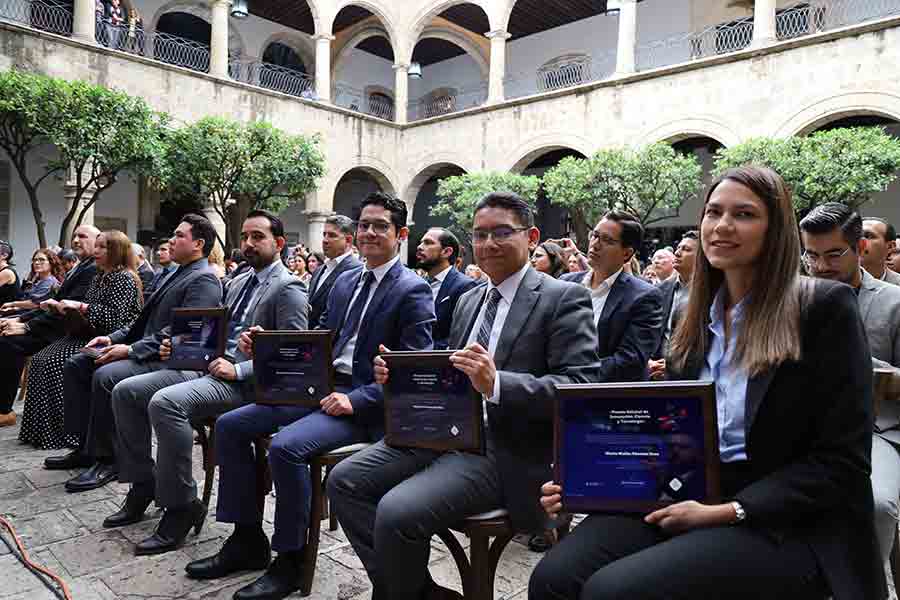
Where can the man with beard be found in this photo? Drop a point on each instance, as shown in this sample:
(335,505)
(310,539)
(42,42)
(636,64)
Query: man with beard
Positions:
(29,333)
(833,242)
(436,254)
(167,400)
(881,240)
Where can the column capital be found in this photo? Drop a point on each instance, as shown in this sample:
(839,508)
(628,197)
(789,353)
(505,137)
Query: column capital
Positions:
(498,34)
(618,4)
(323,37)
(317,215)
(400,67)
(213,3)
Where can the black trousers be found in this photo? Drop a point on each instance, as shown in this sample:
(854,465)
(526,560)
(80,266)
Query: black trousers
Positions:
(14,349)
(623,558)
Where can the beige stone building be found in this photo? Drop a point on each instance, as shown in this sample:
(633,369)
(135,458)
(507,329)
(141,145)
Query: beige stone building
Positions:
(404,92)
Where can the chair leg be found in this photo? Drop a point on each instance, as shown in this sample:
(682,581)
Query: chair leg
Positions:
(23,382)
(209,460)
(462,561)
(327,513)
(311,549)
(481,574)
(263,476)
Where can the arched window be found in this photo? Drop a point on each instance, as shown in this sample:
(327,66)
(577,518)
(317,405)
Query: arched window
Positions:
(379,102)
(441,101)
(564,71)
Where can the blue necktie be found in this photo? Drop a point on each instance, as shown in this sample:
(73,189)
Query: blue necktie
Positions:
(246,293)
(353,319)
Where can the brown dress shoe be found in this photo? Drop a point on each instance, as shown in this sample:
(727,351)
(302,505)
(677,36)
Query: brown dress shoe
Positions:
(8,420)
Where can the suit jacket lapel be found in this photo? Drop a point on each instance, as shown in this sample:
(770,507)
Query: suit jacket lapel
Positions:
(526,297)
(380,293)
(472,307)
(446,286)
(867,295)
(757,387)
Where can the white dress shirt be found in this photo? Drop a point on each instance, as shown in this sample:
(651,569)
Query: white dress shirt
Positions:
(330,265)
(344,362)
(599,295)
(438,281)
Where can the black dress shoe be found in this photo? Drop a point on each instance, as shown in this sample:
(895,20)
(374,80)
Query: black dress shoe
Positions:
(132,510)
(96,477)
(173,528)
(237,554)
(280,580)
(76,459)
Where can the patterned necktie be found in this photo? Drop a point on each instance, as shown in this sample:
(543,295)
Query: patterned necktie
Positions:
(487,323)
(351,324)
(246,293)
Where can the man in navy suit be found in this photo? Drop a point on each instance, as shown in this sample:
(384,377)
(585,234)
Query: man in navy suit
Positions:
(437,253)
(627,310)
(383,303)
(337,243)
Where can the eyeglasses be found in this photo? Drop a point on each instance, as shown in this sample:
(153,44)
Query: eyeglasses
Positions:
(604,239)
(500,234)
(379,227)
(810,259)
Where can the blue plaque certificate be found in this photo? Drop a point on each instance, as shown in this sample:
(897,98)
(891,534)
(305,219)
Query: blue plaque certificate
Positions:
(292,367)
(635,447)
(198,337)
(429,403)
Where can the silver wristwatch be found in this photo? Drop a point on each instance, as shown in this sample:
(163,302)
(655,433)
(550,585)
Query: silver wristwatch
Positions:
(739,513)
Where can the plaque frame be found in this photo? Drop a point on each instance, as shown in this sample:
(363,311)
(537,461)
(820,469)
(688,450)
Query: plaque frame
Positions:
(218,312)
(322,338)
(661,390)
(434,359)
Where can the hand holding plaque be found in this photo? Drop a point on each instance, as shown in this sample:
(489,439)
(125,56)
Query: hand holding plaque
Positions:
(292,367)
(198,337)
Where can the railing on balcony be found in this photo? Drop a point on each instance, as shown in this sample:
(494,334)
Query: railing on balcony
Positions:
(271,76)
(45,15)
(448,100)
(560,73)
(164,47)
(374,104)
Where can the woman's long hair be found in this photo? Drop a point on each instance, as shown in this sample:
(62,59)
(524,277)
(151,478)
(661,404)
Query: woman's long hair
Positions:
(120,256)
(770,329)
(558,263)
(56,269)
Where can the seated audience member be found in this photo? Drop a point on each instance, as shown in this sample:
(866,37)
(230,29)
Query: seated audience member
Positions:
(217,260)
(549,258)
(337,240)
(22,336)
(881,238)
(299,267)
(633,267)
(675,292)
(167,266)
(649,275)
(833,238)
(795,425)
(112,301)
(663,263)
(68,259)
(132,350)
(9,279)
(627,311)
(241,266)
(436,253)
(167,400)
(314,260)
(517,337)
(144,269)
(473,271)
(578,263)
(892,261)
(45,277)
(385,303)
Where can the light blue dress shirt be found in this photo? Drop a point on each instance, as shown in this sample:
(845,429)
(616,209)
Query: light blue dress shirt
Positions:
(730,380)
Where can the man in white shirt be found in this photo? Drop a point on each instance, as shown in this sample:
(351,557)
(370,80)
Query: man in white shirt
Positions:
(337,241)
(664,263)
(881,238)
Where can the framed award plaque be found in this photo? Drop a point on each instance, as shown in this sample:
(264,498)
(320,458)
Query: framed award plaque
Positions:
(198,337)
(292,367)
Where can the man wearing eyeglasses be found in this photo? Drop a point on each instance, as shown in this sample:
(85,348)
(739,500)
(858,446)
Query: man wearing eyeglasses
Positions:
(382,303)
(833,242)
(627,310)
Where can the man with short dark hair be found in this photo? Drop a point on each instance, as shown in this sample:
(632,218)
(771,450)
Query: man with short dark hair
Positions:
(675,292)
(517,337)
(627,310)
(383,303)
(166,267)
(833,242)
(436,254)
(337,241)
(130,351)
(881,238)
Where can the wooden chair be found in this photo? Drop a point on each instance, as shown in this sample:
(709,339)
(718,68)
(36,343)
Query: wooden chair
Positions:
(23,382)
(319,466)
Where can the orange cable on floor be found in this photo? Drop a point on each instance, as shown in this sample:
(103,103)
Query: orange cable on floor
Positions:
(32,566)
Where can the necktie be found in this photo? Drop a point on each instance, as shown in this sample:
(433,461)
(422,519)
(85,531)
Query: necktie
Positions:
(351,324)
(246,293)
(487,323)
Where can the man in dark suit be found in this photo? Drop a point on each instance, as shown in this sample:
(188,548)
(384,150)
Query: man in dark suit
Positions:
(517,336)
(27,334)
(337,241)
(167,266)
(168,400)
(130,351)
(384,303)
(675,291)
(437,254)
(627,310)
(145,270)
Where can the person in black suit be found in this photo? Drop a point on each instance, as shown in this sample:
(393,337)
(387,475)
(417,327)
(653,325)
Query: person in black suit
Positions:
(794,395)
(144,270)
(627,310)
(337,244)
(675,292)
(436,254)
(27,334)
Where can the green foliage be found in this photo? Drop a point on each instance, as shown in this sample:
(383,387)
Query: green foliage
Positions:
(845,165)
(570,184)
(459,194)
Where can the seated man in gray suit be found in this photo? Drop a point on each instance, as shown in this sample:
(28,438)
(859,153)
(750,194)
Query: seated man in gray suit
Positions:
(517,336)
(881,240)
(88,382)
(833,240)
(167,400)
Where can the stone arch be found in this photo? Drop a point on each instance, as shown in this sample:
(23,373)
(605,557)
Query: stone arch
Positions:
(371,165)
(299,43)
(422,172)
(531,150)
(476,53)
(384,16)
(369,31)
(680,129)
(236,44)
(834,107)
(424,17)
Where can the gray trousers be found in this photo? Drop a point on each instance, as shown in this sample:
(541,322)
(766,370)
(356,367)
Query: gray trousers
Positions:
(390,501)
(167,401)
(886,489)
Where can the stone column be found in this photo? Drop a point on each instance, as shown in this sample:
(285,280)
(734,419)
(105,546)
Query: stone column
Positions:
(401,93)
(84,22)
(218,47)
(498,65)
(315,223)
(764,31)
(625,55)
(323,67)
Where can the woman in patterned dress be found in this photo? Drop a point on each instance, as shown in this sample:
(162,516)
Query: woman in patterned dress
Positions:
(113,300)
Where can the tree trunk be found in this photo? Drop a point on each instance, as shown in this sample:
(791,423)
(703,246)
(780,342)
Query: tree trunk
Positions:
(582,229)
(31,190)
